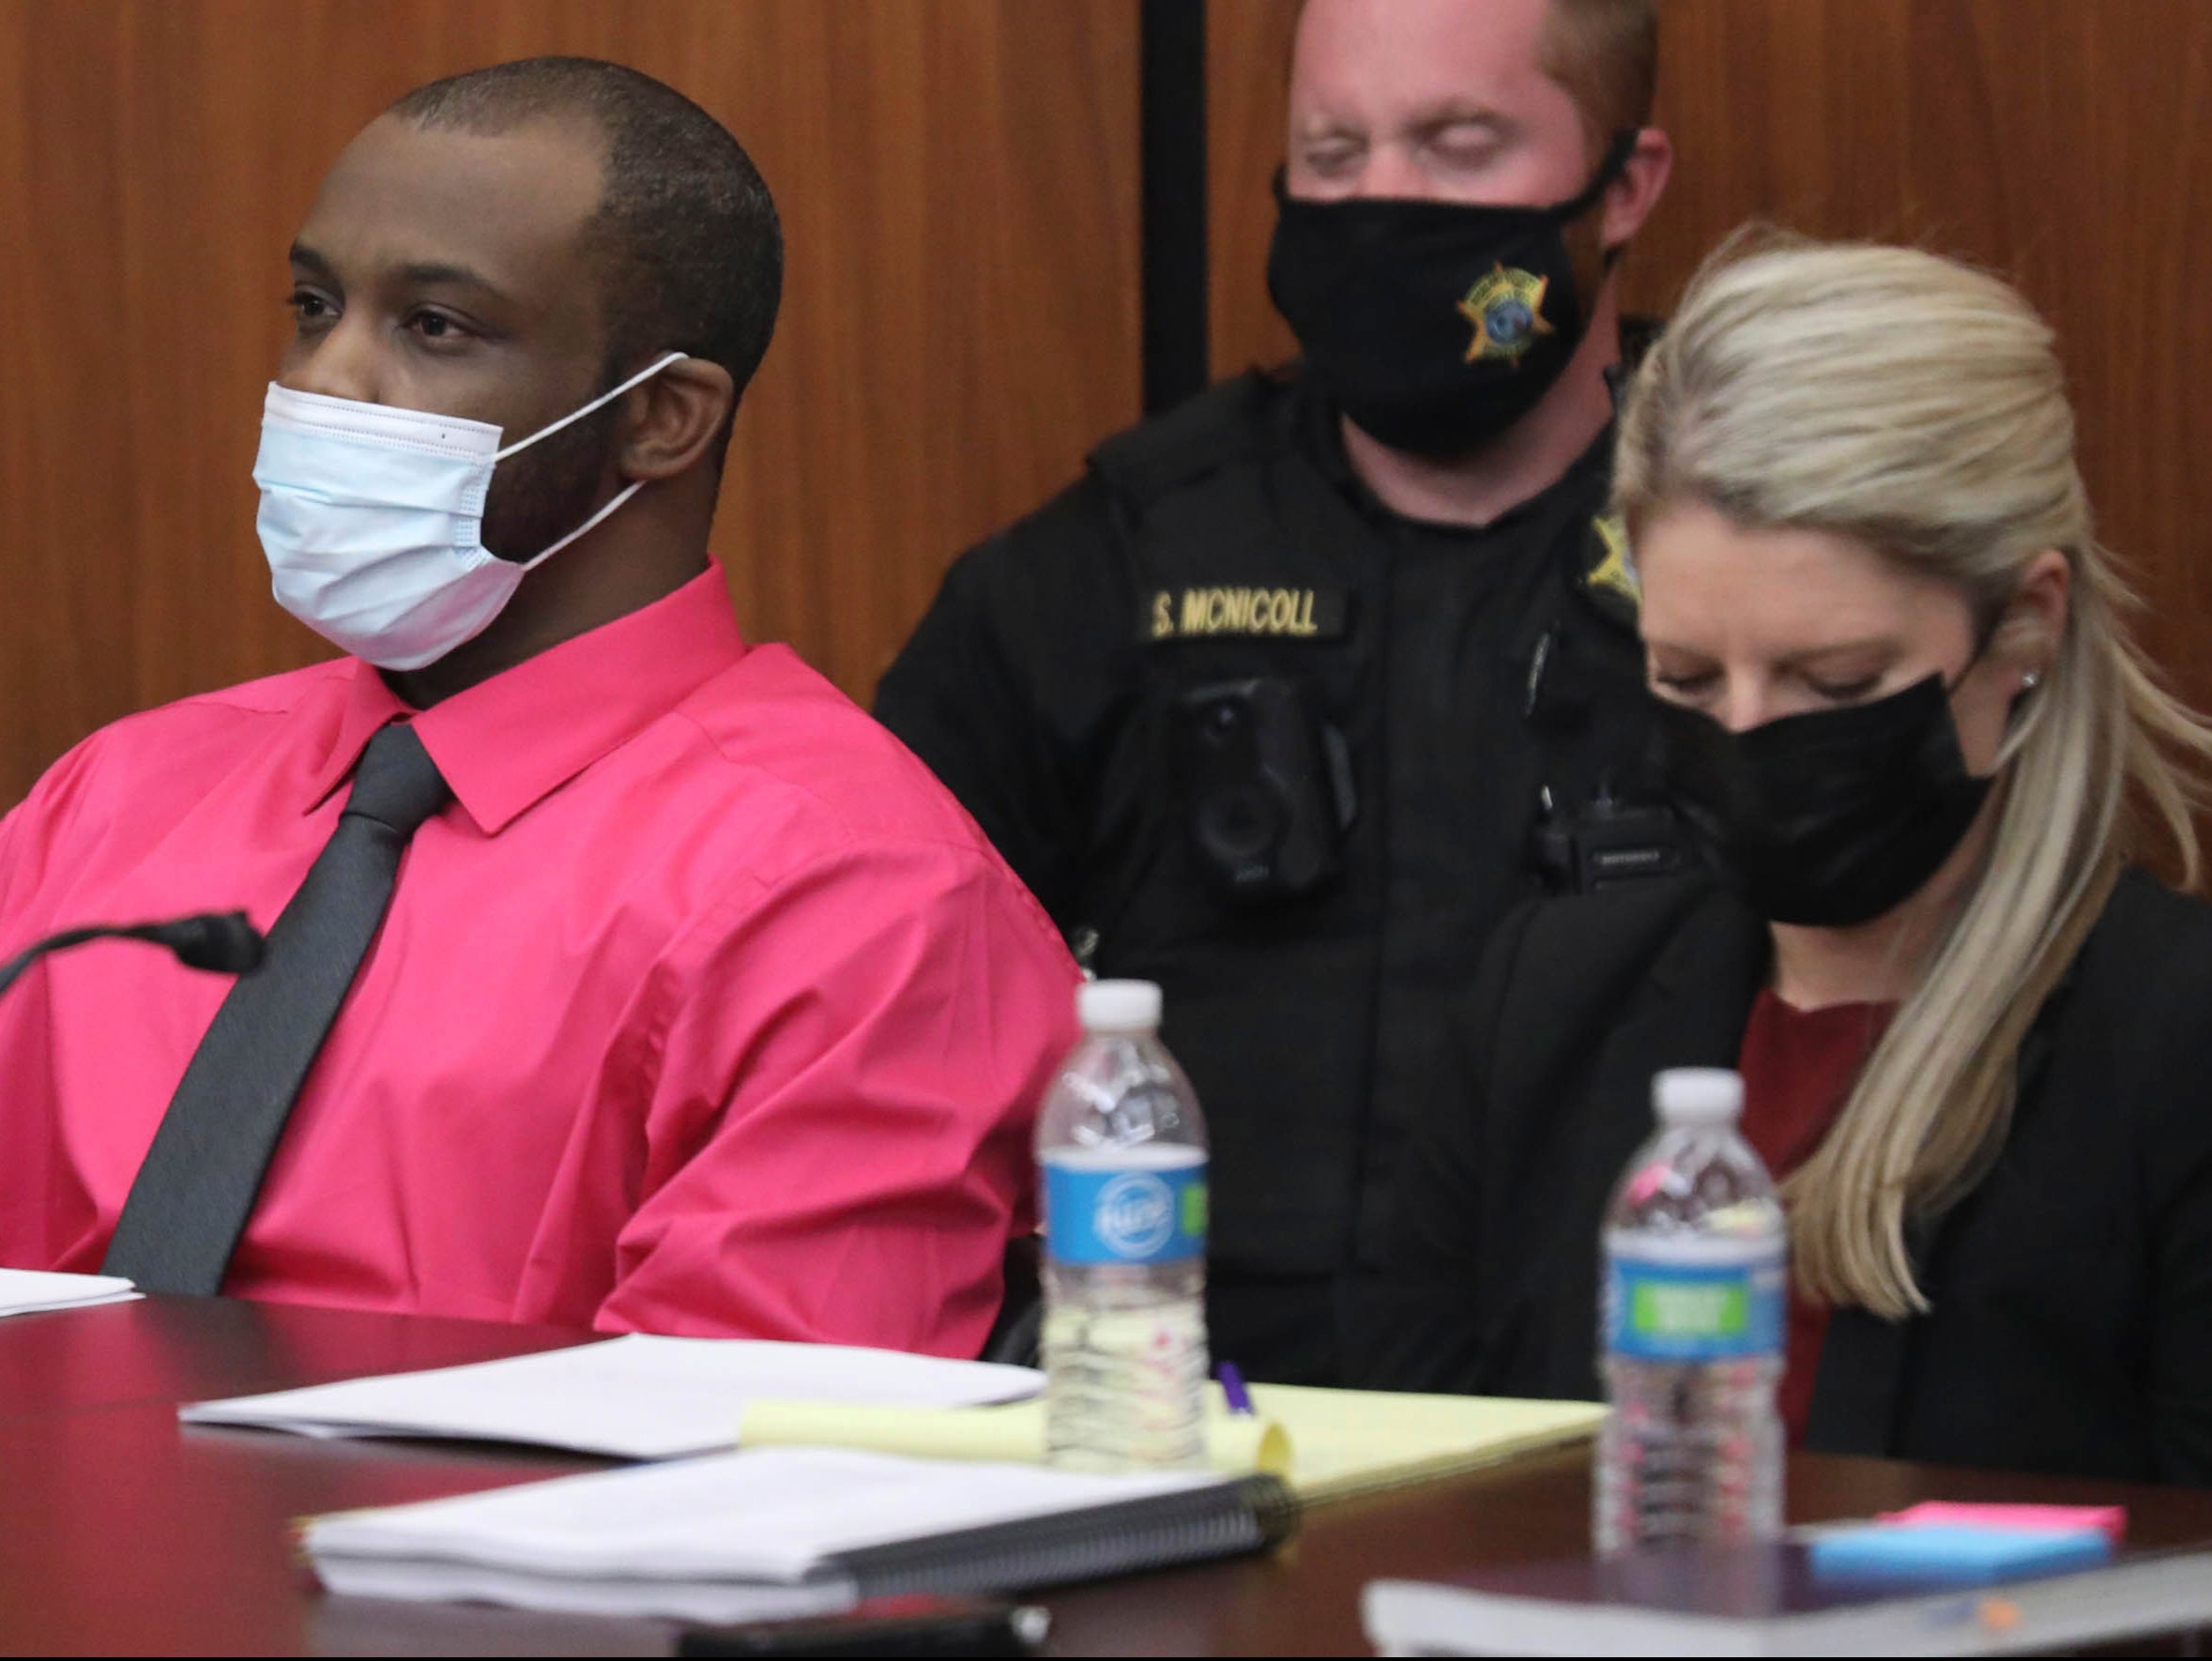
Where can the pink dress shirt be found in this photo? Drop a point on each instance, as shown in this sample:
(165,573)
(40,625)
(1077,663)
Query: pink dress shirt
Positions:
(701,1008)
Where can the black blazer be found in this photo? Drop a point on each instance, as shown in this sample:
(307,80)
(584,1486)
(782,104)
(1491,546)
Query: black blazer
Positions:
(2071,1289)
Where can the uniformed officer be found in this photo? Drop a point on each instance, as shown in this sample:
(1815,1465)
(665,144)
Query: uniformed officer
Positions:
(1305,682)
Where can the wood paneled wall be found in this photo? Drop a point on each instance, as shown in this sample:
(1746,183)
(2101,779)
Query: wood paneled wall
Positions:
(958,181)
(2058,141)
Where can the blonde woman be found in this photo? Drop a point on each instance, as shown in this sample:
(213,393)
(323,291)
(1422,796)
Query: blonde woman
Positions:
(1905,722)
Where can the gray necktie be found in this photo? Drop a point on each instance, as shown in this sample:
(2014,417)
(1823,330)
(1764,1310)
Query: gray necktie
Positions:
(191,1199)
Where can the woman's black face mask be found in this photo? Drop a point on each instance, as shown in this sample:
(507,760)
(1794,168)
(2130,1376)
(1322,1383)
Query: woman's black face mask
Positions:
(1828,819)
(1434,324)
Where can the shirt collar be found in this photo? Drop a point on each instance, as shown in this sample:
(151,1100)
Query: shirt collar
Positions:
(507,742)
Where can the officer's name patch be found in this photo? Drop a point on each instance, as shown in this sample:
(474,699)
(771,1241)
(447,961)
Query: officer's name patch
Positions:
(1285,614)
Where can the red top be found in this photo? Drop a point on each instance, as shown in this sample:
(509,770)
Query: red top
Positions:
(1798,1067)
(701,1008)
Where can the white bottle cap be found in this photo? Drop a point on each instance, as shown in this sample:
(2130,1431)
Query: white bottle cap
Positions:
(1693,1096)
(1118,1006)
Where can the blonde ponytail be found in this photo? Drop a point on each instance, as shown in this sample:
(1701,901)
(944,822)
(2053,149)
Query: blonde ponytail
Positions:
(1915,405)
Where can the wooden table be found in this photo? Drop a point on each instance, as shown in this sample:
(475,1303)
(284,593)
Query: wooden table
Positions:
(124,1532)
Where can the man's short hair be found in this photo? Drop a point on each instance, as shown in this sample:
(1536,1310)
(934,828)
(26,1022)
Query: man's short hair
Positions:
(692,254)
(1605,53)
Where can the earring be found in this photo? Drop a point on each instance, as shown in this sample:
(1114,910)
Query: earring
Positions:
(2031,680)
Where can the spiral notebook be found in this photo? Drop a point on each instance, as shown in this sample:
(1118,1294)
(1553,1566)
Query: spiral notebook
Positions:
(783,1531)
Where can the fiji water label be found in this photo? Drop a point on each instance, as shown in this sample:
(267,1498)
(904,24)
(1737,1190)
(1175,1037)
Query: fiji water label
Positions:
(1125,1212)
(1715,1305)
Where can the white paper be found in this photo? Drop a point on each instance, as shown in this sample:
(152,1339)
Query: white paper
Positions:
(27,1291)
(654,1539)
(718,1603)
(637,1397)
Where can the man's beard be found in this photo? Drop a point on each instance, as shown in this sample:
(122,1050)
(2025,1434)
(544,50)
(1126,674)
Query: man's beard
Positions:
(542,493)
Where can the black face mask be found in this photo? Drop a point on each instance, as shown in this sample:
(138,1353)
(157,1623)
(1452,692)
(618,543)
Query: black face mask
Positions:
(1828,819)
(1435,324)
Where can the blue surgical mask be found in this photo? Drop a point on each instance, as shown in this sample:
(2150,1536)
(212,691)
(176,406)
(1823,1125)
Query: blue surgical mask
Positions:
(373,521)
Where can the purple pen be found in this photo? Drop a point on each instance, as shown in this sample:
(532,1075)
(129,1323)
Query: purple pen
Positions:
(1232,1386)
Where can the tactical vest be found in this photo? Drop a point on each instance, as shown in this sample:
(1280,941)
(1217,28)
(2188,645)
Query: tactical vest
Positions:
(1246,560)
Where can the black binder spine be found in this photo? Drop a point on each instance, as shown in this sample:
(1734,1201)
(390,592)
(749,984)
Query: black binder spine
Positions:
(1224,1519)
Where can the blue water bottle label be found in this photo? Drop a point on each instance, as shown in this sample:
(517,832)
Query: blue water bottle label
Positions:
(1661,1309)
(1117,1214)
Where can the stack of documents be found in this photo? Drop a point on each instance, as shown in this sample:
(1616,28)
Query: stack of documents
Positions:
(659,1399)
(786,1531)
(638,1397)
(864,1473)
(29,1291)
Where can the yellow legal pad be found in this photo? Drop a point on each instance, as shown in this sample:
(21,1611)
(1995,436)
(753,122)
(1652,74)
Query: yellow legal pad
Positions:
(1328,1444)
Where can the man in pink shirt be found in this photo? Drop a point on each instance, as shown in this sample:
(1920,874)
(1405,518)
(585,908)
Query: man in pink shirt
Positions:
(641,980)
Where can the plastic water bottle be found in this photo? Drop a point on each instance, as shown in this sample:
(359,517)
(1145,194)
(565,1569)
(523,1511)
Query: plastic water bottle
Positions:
(1691,1335)
(1122,1151)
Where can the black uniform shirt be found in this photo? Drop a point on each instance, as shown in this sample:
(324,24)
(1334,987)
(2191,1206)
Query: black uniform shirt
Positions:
(1459,673)
(1462,769)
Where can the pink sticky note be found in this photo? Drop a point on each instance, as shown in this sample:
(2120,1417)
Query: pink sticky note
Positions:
(2111,1519)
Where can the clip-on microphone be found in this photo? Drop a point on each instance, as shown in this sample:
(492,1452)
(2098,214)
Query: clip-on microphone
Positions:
(222,941)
